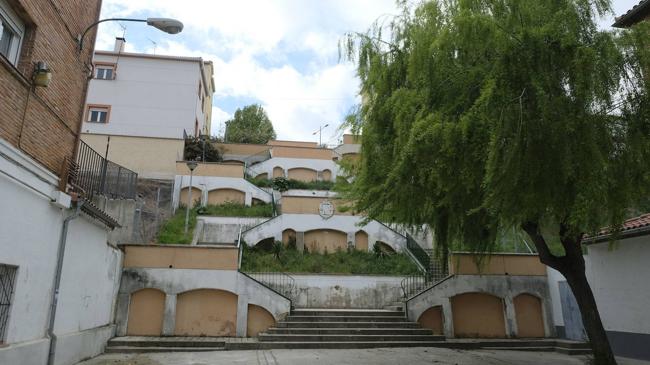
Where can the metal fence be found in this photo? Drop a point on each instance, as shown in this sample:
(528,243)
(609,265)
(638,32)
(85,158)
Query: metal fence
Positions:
(96,175)
(418,252)
(282,283)
(7,279)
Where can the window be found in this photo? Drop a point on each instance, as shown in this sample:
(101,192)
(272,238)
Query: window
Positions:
(7,280)
(98,113)
(104,71)
(11,33)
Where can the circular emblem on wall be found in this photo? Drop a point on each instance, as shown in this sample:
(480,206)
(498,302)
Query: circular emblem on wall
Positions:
(326,209)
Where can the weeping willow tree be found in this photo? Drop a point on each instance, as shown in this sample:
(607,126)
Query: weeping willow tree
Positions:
(481,116)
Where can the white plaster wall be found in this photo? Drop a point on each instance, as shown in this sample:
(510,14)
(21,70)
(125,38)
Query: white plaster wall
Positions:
(208,183)
(307,222)
(347,148)
(148,98)
(223,229)
(554,277)
(345,291)
(289,163)
(89,280)
(29,236)
(619,277)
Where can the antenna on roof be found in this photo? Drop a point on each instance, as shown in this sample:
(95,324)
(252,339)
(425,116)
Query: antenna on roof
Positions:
(123,29)
(154,45)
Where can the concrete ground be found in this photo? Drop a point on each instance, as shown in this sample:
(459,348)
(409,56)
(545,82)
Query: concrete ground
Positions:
(392,356)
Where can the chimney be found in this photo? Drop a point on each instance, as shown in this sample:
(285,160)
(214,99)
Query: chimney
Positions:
(119,45)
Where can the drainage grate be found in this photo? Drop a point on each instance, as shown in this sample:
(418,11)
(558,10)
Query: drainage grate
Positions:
(7,279)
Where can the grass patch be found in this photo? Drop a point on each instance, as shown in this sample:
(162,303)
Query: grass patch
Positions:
(339,262)
(172,230)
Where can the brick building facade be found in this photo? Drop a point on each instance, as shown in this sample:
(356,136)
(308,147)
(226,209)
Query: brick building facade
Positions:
(44,122)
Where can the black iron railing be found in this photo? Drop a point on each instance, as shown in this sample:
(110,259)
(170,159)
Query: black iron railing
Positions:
(414,284)
(418,252)
(7,279)
(282,283)
(96,175)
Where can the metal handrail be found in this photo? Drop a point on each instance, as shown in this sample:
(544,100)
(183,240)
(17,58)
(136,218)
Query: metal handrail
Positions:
(96,175)
(418,252)
(240,247)
(280,282)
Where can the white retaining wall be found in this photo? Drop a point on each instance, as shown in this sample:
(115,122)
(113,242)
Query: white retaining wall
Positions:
(209,183)
(287,163)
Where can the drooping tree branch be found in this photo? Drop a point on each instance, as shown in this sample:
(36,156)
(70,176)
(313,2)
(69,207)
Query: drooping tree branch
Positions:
(545,255)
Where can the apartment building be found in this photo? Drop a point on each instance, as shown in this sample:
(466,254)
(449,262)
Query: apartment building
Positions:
(140,107)
(45,232)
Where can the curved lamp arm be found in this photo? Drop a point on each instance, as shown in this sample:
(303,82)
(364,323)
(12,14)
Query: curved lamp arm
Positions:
(171,26)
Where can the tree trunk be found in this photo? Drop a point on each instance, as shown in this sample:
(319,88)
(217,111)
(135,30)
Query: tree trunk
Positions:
(598,340)
(572,266)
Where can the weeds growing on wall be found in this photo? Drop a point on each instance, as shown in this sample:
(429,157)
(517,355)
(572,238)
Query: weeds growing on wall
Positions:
(338,262)
(283,184)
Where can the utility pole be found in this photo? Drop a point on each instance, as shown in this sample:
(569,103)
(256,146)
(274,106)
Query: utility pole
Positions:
(320,134)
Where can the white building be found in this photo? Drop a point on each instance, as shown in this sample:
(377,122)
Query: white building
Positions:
(146,104)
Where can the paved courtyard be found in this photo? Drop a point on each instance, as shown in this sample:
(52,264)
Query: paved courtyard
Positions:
(407,356)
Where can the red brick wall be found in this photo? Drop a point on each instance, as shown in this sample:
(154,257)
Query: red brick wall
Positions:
(44,122)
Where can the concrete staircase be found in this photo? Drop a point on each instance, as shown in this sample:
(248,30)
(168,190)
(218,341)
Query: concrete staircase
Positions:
(349,329)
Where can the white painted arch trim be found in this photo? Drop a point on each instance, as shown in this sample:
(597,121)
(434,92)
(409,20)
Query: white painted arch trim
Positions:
(210,183)
(287,164)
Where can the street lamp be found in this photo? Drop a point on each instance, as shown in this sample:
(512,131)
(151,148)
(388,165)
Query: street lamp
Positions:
(320,134)
(167,25)
(190,165)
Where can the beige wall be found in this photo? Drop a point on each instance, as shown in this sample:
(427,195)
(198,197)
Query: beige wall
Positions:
(310,205)
(149,157)
(321,240)
(496,264)
(278,172)
(478,315)
(178,257)
(220,196)
(196,196)
(303,152)
(146,311)
(303,174)
(287,234)
(361,241)
(275,142)
(327,175)
(212,169)
(530,320)
(206,312)
(241,148)
(351,139)
(259,320)
(262,176)
(432,319)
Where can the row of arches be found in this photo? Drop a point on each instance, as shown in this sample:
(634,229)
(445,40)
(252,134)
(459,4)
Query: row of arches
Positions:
(215,196)
(200,312)
(482,315)
(330,240)
(299,173)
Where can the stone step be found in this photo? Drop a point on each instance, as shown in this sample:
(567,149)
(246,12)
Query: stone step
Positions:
(350,331)
(346,313)
(339,324)
(347,338)
(166,342)
(293,318)
(351,345)
(524,348)
(137,350)
(573,351)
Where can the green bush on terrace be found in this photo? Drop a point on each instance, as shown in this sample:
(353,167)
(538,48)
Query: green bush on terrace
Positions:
(171,231)
(339,262)
(283,184)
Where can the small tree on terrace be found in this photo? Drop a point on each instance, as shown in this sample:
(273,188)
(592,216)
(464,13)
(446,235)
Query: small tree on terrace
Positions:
(249,125)
(481,116)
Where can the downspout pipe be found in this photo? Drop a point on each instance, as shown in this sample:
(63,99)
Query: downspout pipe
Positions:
(57,280)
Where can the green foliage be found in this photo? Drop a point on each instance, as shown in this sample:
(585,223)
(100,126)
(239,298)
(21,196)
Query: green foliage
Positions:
(339,262)
(249,125)
(283,184)
(196,148)
(171,231)
(479,116)
(230,209)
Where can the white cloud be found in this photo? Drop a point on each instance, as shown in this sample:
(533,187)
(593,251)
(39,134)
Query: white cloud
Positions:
(219,117)
(253,45)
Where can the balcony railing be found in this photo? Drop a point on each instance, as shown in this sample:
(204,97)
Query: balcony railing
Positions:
(94,175)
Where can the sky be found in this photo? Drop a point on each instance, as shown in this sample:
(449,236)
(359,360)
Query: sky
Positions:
(282,54)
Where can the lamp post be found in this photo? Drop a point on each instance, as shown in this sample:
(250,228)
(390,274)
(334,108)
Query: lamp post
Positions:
(167,25)
(320,134)
(190,165)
